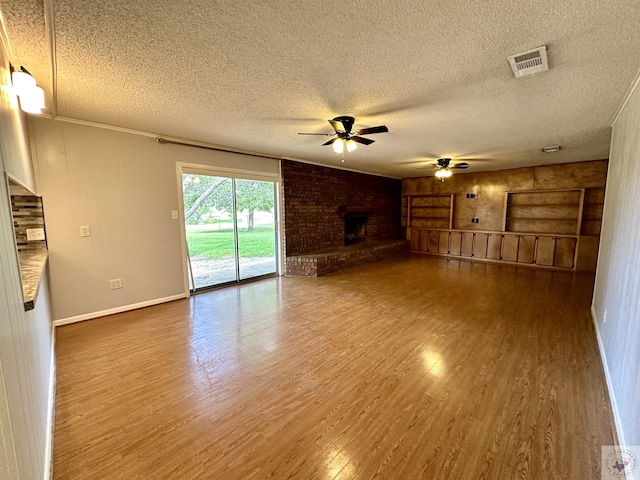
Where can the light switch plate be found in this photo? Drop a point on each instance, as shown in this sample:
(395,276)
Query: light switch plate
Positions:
(174,214)
(35,234)
(85,231)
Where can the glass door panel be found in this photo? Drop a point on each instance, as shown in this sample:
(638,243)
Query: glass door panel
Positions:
(230,226)
(255,216)
(211,236)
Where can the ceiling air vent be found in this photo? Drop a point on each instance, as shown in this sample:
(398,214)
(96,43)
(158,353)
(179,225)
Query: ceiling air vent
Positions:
(529,62)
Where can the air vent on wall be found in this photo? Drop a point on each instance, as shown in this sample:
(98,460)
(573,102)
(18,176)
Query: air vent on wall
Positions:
(529,62)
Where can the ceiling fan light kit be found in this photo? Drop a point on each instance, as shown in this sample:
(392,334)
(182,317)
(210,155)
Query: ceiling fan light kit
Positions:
(347,138)
(443,173)
(443,168)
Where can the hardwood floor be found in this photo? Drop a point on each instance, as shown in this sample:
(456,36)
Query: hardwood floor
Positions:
(418,368)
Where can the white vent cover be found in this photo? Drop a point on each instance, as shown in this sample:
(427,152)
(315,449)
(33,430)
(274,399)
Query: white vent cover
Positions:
(529,62)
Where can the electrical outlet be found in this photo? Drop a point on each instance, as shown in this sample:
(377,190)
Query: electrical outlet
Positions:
(85,231)
(174,214)
(604,317)
(115,283)
(35,234)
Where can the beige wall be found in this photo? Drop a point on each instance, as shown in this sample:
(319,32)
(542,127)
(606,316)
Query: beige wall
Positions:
(615,304)
(25,338)
(124,187)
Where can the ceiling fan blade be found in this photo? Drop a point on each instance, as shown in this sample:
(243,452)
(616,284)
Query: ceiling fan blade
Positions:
(330,141)
(460,165)
(369,131)
(325,134)
(337,126)
(364,141)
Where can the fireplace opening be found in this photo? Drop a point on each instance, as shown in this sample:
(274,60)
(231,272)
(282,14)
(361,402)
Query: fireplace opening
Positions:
(355,228)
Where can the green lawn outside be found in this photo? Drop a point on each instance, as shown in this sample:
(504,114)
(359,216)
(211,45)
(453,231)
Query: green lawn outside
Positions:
(209,242)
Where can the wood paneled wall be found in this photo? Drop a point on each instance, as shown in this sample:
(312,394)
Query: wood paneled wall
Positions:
(26,338)
(490,188)
(615,303)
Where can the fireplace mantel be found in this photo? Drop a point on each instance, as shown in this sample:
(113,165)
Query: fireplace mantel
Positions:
(347,209)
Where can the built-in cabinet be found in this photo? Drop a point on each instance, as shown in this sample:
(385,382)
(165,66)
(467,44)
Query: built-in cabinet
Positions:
(544,211)
(546,228)
(544,250)
(592,211)
(546,216)
(428,211)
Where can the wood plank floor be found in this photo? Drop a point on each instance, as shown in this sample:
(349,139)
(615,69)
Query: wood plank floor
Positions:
(416,368)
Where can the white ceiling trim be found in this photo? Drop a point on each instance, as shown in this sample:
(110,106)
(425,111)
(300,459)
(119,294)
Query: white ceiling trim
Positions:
(194,143)
(627,96)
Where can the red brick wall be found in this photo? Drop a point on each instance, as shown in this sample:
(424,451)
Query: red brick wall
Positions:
(313,194)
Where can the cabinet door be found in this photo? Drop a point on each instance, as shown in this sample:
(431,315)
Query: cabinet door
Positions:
(423,245)
(415,239)
(444,243)
(480,244)
(526,248)
(510,248)
(466,244)
(455,239)
(545,250)
(494,246)
(434,240)
(565,251)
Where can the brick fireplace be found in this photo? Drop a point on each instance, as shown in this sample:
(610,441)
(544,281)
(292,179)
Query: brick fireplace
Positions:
(336,218)
(355,228)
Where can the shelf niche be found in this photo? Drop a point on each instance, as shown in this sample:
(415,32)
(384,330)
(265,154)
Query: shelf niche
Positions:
(428,211)
(544,211)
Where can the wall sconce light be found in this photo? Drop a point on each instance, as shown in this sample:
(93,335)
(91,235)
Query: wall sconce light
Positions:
(24,86)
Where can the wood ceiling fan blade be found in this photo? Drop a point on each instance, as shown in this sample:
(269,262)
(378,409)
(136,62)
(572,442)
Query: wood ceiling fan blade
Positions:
(369,131)
(343,123)
(460,165)
(325,134)
(330,141)
(364,141)
(337,126)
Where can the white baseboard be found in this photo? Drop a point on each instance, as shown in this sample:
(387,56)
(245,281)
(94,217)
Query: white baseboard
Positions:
(111,311)
(48,452)
(614,406)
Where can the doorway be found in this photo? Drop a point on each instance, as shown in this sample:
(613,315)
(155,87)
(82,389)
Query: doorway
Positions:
(231,228)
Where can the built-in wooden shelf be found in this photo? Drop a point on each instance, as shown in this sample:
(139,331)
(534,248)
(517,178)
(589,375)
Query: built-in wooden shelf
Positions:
(544,211)
(428,211)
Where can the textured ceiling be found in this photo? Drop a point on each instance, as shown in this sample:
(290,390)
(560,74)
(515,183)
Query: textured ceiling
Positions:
(251,74)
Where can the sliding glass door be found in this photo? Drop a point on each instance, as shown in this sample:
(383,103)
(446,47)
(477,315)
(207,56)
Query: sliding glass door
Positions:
(255,217)
(230,226)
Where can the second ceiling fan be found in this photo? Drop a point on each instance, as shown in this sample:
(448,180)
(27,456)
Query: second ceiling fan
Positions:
(443,167)
(345,136)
